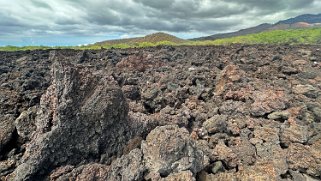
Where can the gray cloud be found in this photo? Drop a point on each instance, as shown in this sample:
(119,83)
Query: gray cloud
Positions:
(24,18)
(41,4)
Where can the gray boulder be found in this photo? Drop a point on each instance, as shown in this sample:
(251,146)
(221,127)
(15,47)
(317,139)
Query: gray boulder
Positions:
(169,149)
(25,123)
(216,124)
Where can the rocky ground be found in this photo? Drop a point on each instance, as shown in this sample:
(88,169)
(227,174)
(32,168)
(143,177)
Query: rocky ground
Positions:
(163,113)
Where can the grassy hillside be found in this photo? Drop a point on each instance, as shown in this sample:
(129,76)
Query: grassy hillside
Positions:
(293,36)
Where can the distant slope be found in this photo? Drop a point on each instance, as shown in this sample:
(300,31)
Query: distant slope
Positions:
(246,31)
(152,38)
(307,18)
(302,21)
(290,36)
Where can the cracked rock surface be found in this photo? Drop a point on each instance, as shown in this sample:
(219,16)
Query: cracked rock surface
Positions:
(164,113)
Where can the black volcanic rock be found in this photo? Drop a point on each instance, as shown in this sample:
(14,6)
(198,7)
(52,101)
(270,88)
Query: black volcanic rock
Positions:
(81,115)
(156,113)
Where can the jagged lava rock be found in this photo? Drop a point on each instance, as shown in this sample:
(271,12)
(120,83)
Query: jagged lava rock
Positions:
(269,94)
(82,115)
(231,73)
(25,123)
(6,131)
(127,168)
(169,149)
(267,101)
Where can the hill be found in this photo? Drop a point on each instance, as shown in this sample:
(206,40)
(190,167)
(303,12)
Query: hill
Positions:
(289,36)
(256,29)
(152,38)
(302,21)
(308,18)
(282,36)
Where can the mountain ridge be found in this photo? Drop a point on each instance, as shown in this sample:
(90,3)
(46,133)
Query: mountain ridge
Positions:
(308,18)
(298,22)
(301,21)
(151,38)
(252,30)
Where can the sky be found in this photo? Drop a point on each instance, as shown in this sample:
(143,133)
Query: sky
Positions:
(78,22)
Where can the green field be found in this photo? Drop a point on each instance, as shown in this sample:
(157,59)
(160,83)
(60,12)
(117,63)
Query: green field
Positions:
(292,36)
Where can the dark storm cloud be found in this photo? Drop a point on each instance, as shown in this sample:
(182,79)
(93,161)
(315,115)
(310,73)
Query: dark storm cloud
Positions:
(186,9)
(103,17)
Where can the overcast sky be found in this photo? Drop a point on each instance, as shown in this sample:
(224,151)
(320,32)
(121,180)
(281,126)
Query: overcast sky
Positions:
(74,22)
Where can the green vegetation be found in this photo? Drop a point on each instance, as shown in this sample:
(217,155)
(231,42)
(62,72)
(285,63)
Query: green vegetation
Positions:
(15,48)
(292,36)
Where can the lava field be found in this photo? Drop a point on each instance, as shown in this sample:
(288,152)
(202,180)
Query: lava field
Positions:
(186,113)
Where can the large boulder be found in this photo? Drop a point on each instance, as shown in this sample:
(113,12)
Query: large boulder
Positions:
(216,124)
(25,123)
(230,74)
(127,168)
(169,149)
(304,159)
(82,116)
(267,101)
